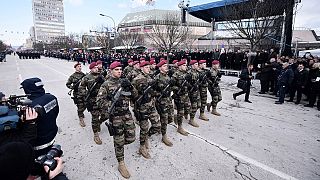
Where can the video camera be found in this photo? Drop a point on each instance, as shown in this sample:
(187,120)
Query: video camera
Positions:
(12,109)
(48,159)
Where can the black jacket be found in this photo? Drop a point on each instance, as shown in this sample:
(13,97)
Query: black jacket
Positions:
(286,77)
(300,77)
(245,75)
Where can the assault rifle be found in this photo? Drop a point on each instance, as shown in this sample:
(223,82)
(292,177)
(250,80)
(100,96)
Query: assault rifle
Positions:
(75,86)
(145,92)
(164,90)
(199,81)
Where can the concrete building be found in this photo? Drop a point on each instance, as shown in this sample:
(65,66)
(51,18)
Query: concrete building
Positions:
(48,19)
(143,22)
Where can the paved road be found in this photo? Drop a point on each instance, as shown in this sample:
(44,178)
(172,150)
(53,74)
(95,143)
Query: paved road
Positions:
(249,141)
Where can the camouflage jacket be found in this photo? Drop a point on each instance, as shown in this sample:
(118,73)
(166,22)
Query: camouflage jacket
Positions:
(177,79)
(204,82)
(74,81)
(106,95)
(215,78)
(162,81)
(127,70)
(141,83)
(87,82)
(133,73)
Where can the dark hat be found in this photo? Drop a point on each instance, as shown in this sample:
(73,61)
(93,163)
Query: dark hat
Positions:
(115,64)
(202,61)
(182,62)
(16,160)
(76,65)
(215,62)
(144,63)
(161,63)
(32,85)
(192,62)
(92,65)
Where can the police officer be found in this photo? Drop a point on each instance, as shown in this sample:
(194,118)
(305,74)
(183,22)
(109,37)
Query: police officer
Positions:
(214,88)
(180,94)
(121,118)
(144,106)
(164,101)
(73,84)
(88,90)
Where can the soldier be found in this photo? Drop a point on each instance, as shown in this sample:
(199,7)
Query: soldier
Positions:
(164,101)
(73,84)
(101,69)
(121,118)
(180,96)
(88,90)
(214,88)
(136,70)
(129,68)
(144,107)
(203,87)
(194,93)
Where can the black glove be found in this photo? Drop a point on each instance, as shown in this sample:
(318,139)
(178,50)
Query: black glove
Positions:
(100,79)
(125,83)
(188,77)
(208,74)
(219,75)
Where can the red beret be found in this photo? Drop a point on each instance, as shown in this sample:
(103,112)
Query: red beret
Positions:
(99,62)
(193,62)
(162,59)
(115,64)
(215,62)
(182,62)
(135,62)
(92,65)
(130,61)
(76,65)
(202,61)
(161,63)
(174,61)
(142,59)
(152,61)
(144,63)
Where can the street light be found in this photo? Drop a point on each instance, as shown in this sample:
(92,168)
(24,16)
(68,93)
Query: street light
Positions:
(114,24)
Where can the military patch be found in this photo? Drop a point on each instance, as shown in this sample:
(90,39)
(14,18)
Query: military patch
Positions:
(52,104)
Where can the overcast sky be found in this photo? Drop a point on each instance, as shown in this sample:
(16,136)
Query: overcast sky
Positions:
(82,15)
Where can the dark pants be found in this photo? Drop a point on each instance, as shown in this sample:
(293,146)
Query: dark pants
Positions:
(293,91)
(245,91)
(314,94)
(282,93)
(264,85)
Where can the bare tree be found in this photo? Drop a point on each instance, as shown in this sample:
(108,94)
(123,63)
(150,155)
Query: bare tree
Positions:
(168,34)
(3,46)
(130,38)
(251,20)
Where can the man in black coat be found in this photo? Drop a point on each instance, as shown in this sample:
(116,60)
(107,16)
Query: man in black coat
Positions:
(284,81)
(299,82)
(246,75)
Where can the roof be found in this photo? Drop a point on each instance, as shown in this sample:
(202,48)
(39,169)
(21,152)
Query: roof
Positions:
(214,10)
(155,14)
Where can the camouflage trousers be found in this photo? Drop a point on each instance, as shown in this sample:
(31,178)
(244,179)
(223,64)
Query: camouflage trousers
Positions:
(163,109)
(195,103)
(147,112)
(203,98)
(183,107)
(81,108)
(125,133)
(96,121)
(215,95)
(171,112)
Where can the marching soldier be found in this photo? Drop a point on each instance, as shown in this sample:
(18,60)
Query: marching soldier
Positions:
(203,87)
(144,107)
(194,93)
(164,101)
(129,68)
(136,70)
(120,119)
(73,84)
(88,90)
(214,88)
(101,69)
(180,94)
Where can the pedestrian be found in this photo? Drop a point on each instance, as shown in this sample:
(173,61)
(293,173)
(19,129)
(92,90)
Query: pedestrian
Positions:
(284,81)
(245,77)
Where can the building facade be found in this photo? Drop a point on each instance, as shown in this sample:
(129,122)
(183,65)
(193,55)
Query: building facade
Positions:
(48,20)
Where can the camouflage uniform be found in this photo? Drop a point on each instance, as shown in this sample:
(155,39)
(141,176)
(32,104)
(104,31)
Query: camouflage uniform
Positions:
(127,70)
(72,80)
(134,73)
(195,94)
(163,104)
(146,109)
(203,91)
(214,88)
(181,100)
(87,82)
(121,118)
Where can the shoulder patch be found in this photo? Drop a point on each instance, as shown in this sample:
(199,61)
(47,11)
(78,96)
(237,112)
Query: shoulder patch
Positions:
(48,107)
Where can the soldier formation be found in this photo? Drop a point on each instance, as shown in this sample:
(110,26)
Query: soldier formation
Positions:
(150,91)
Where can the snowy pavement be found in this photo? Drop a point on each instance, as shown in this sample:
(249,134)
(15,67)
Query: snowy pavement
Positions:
(261,140)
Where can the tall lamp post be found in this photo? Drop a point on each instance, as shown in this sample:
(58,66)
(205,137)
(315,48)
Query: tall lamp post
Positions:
(114,27)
